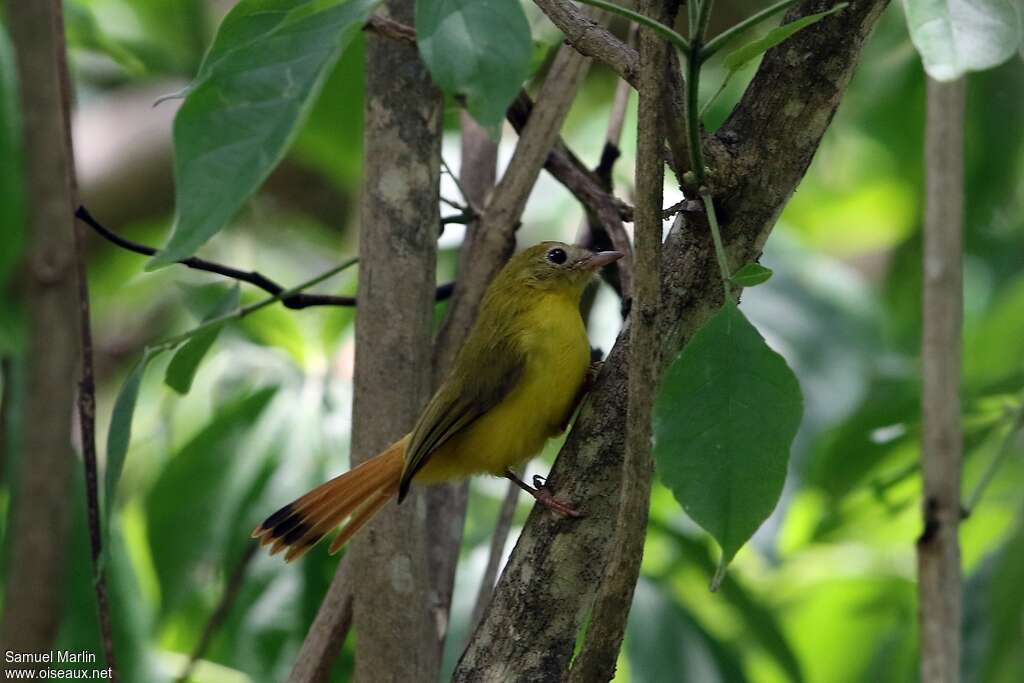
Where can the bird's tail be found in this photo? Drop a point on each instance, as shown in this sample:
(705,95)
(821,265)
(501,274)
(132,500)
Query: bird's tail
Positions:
(356,496)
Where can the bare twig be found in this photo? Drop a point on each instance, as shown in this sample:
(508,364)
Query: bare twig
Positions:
(938,548)
(498,540)
(87,381)
(41,509)
(221,612)
(592,39)
(596,660)
(294,301)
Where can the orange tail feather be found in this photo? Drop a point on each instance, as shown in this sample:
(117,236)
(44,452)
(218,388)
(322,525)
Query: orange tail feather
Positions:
(357,496)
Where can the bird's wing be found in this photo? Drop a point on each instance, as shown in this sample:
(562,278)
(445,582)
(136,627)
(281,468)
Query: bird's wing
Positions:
(474,386)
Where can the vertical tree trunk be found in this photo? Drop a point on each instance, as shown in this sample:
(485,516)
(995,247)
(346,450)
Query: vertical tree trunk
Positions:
(397,250)
(38,523)
(938,548)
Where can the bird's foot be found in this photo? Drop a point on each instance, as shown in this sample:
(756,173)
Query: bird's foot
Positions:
(543,496)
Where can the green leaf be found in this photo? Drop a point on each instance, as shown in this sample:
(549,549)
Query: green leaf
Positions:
(726,415)
(478,50)
(207,467)
(119,434)
(957,36)
(741,56)
(253,91)
(83,31)
(182,368)
(751,275)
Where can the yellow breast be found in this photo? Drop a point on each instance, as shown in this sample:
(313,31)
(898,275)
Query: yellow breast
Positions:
(557,356)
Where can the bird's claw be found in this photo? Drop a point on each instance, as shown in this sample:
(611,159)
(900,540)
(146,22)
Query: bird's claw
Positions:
(543,496)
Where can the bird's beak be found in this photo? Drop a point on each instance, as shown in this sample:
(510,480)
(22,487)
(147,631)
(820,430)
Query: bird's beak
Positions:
(602,259)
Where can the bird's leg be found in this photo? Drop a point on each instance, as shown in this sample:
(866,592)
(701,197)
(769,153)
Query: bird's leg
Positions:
(542,495)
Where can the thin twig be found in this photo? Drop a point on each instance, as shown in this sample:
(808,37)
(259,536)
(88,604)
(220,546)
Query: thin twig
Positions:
(469,208)
(87,380)
(244,311)
(498,540)
(220,613)
(938,548)
(296,300)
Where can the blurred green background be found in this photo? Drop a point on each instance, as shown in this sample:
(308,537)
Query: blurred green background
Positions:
(825,591)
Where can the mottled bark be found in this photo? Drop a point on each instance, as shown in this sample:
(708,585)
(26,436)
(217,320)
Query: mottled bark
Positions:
(530,629)
(38,522)
(938,549)
(398,251)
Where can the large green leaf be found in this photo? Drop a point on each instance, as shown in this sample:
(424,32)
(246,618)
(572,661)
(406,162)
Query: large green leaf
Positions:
(478,50)
(254,89)
(957,36)
(726,415)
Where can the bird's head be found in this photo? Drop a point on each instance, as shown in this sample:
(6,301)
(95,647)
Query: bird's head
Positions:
(557,267)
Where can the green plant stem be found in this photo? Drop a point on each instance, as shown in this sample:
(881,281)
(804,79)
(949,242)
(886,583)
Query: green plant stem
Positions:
(661,29)
(719,41)
(243,311)
(1005,449)
(698,26)
(716,237)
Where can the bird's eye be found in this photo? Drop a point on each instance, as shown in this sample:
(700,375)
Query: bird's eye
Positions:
(557,256)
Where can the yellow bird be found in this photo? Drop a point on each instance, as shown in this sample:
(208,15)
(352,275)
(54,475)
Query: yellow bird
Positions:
(514,384)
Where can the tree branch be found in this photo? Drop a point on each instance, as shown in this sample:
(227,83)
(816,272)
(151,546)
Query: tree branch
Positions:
(938,548)
(592,39)
(595,41)
(327,633)
(596,660)
(551,578)
(294,301)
